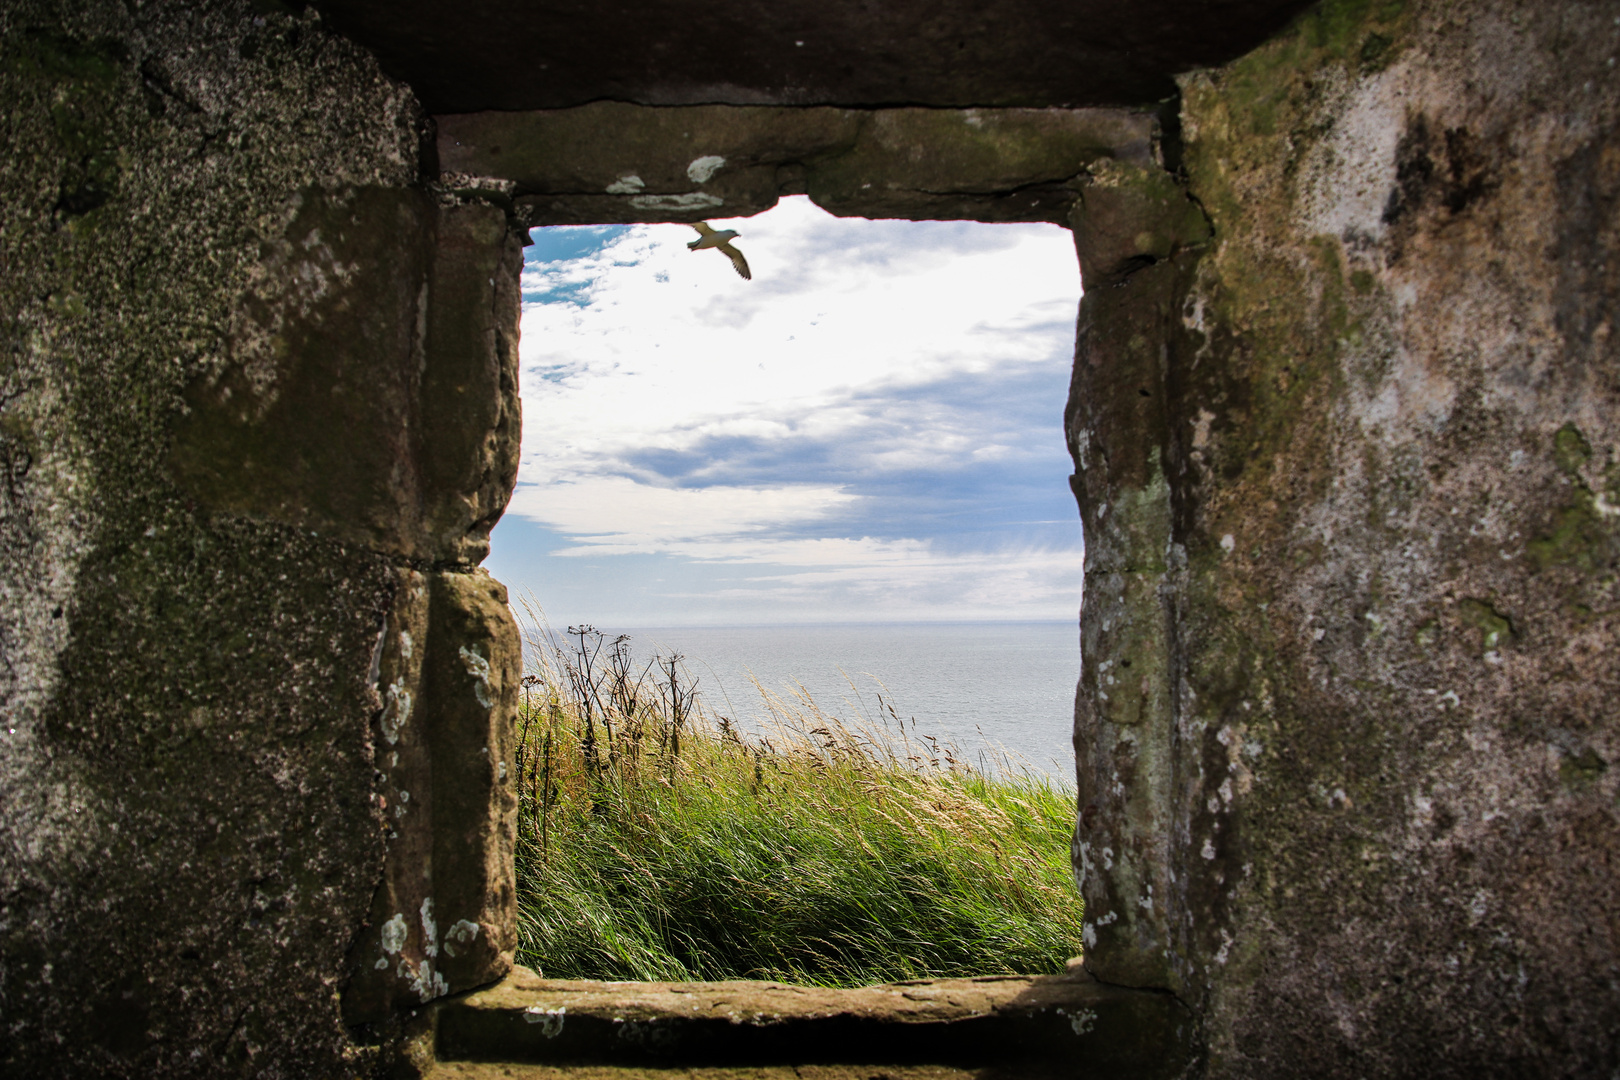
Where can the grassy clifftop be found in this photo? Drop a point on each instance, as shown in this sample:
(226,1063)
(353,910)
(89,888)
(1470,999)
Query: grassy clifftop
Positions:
(660,841)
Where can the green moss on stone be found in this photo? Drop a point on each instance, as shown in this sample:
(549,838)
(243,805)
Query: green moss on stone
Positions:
(1585,531)
(1495,629)
(1427,634)
(1582,770)
(1571,450)
(1287,322)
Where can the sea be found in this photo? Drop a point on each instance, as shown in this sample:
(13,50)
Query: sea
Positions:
(1001,693)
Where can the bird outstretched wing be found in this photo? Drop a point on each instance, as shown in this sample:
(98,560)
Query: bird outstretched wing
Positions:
(737,260)
(704,232)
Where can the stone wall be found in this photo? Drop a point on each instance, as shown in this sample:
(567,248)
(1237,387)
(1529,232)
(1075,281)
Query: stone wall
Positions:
(1348,460)
(1344,425)
(257,416)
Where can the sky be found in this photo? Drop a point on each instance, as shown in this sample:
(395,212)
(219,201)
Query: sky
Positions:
(870,430)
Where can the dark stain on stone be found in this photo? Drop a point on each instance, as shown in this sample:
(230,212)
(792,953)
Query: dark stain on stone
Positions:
(1130,266)
(15,461)
(160,90)
(89,186)
(1444,821)
(1414,171)
(1470,172)
(1450,170)
(123,1014)
(1588,231)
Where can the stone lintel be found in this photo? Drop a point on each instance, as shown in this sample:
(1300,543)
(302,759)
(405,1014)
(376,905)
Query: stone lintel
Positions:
(611,162)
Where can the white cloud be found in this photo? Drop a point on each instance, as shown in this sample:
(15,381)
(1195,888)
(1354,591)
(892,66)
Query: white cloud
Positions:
(673,408)
(616,515)
(673,346)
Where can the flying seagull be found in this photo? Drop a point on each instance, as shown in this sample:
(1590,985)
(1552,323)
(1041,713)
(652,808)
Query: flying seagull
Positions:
(721,240)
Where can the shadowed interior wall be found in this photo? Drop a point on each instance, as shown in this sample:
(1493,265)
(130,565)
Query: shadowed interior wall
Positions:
(257,415)
(1348,469)
(486,54)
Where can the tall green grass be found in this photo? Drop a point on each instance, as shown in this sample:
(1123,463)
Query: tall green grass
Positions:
(657,840)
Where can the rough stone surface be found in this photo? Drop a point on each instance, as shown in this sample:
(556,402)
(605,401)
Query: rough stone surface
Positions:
(471,422)
(501,1070)
(444,919)
(975,164)
(612,162)
(1137,235)
(343,312)
(218,305)
(1345,726)
(480,54)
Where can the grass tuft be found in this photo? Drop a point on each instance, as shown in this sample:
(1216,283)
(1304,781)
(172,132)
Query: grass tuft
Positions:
(659,841)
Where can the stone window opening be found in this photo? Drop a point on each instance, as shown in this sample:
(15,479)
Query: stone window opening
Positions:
(903,375)
(612,163)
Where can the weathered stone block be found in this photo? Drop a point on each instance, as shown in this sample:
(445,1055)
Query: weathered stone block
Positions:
(613,162)
(310,419)
(371,387)
(977,164)
(444,918)
(999,1027)
(1381,830)
(470,419)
